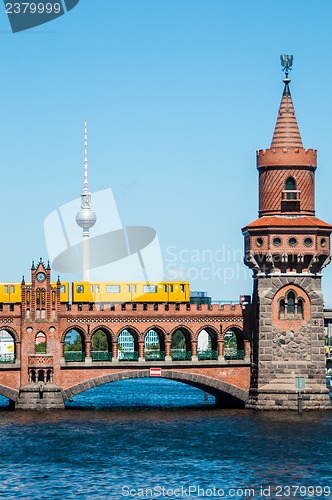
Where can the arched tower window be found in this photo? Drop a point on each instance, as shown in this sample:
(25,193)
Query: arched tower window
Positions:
(282,309)
(300,309)
(290,186)
(290,195)
(290,304)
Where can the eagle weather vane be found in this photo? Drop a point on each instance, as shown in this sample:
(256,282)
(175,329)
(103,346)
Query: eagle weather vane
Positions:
(286,63)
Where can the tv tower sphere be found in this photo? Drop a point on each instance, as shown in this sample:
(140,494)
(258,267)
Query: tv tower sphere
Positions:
(86,217)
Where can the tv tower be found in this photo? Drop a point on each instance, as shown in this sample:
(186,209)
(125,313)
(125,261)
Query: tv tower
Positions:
(86,217)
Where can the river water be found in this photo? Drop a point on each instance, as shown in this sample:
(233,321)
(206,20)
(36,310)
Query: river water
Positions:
(152,438)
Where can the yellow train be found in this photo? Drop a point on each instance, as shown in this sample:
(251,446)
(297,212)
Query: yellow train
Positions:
(167,291)
(108,292)
(11,292)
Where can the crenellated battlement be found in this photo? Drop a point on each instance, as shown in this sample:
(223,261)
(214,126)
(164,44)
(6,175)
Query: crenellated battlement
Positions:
(10,309)
(154,309)
(297,157)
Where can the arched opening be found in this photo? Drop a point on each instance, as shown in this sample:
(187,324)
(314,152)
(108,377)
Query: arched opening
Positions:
(128,345)
(154,345)
(40,343)
(49,376)
(74,346)
(41,376)
(7,347)
(234,344)
(291,304)
(282,309)
(101,346)
(181,345)
(290,187)
(207,345)
(300,309)
(32,376)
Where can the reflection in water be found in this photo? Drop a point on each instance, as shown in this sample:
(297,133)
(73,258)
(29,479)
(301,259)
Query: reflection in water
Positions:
(170,438)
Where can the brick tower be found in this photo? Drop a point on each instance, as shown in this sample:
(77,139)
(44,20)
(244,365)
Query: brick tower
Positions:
(287,247)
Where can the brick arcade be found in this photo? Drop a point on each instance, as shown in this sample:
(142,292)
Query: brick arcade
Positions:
(278,337)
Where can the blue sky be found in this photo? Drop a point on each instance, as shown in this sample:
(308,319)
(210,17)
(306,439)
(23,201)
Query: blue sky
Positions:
(179,94)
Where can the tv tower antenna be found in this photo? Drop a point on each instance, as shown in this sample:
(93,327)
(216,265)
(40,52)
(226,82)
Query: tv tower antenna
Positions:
(86,217)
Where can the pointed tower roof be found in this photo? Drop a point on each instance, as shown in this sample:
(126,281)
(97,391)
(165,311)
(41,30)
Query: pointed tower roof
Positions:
(286,132)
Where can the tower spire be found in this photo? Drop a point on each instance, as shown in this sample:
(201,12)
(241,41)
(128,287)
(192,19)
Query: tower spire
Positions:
(86,183)
(286,132)
(86,217)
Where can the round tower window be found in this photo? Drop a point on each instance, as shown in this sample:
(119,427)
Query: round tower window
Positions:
(308,242)
(323,242)
(292,242)
(277,241)
(259,242)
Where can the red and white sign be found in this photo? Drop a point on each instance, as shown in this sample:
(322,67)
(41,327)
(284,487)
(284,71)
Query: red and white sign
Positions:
(155,372)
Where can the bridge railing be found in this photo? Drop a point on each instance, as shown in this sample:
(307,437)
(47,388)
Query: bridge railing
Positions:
(7,358)
(234,354)
(74,356)
(207,355)
(101,356)
(154,356)
(180,355)
(128,356)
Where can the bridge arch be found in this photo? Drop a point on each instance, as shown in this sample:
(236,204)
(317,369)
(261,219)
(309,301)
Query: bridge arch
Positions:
(106,330)
(129,328)
(181,338)
(207,338)
(212,331)
(156,328)
(10,349)
(226,394)
(78,329)
(12,332)
(7,392)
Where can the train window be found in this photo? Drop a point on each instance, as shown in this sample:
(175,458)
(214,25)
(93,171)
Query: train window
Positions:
(128,288)
(181,288)
(91,288)
(165,288)
(149,289)
(113,288)
(6,288)
(97,288)
(63,289)
(80,288)
(12,289)
(171,288)
(134,288)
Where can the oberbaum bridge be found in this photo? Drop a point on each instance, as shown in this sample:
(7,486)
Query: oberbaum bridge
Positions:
(279,334)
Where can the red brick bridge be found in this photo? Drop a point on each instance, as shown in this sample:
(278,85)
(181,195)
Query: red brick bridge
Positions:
(35,380)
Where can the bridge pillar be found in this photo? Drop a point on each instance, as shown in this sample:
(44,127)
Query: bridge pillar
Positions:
(247,349)
(40,396)
(141,356)
(168,346)
(220,349)
(115,351)
(17,352)
(88,358)
(194,356)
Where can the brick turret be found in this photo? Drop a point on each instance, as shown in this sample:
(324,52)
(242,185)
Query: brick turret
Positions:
(286,248)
